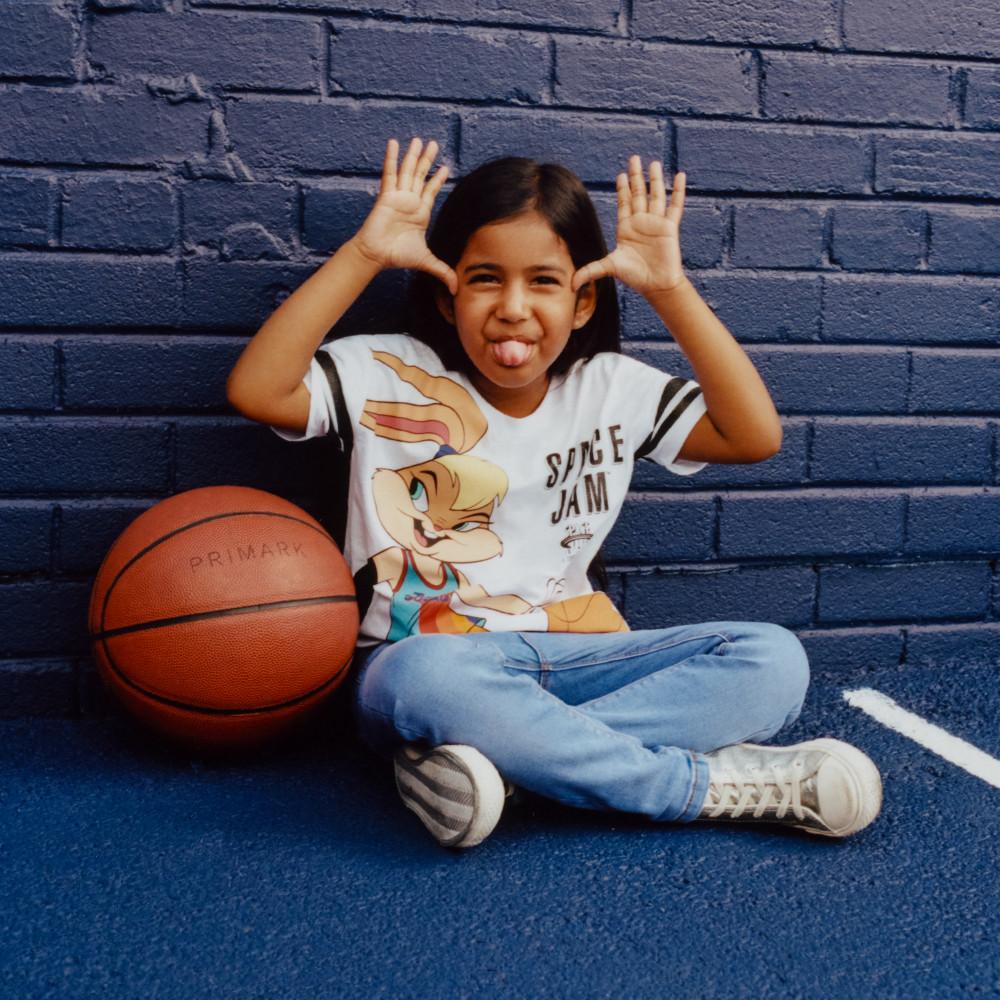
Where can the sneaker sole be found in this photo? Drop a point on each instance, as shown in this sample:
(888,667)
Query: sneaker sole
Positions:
(867,784)
(454,790)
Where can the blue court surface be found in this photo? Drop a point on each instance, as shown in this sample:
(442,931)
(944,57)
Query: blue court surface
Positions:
(128,871)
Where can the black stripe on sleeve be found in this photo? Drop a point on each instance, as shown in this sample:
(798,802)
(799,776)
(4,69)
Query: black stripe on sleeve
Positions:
(669,391)
(340,407)
(649,445)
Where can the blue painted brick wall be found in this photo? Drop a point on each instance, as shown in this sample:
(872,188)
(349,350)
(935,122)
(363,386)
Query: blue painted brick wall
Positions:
(170,170)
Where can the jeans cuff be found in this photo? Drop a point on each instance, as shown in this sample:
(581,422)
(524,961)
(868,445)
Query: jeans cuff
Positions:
(699,788)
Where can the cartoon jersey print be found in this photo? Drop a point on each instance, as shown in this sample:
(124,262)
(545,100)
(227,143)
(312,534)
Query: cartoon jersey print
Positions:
(439,512)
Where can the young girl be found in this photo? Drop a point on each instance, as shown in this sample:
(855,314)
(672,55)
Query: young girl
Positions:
(491,451)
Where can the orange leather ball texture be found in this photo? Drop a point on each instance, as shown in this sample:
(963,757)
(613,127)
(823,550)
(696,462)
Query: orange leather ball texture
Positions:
(222,616)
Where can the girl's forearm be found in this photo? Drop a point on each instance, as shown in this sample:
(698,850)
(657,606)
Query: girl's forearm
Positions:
(273,364)
(738,402)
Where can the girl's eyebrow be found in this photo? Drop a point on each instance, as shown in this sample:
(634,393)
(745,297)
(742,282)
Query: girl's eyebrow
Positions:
(487,266)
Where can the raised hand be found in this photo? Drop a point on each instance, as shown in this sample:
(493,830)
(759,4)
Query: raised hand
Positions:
(648,254)
(394,234)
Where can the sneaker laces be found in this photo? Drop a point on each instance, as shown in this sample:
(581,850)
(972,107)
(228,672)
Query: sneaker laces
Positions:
(777,787)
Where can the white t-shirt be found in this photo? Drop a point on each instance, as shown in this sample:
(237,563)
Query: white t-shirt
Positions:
(465,519)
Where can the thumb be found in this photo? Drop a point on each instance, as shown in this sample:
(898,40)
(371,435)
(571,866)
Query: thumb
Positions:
(440,270)
(592,271)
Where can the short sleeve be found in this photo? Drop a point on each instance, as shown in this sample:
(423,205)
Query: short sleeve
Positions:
(326,405)
(671,406)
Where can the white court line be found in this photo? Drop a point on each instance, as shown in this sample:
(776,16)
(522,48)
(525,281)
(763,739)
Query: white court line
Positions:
(882,708)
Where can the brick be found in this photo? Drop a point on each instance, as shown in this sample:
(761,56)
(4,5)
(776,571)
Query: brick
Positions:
(982,97)
(963,165)
(333,136)
(75,456)
(43,619)
(633,75)
(236,452)
(824,87)
(964,27)
(911,310)
(813,379)
(965,240)
(36,39)
(25,206)
(944,647)
(106,128)
(778,236)
(435,62)
(183,373)
(331,216)
(595,147)
(780,594)
(599,15)
(25,529)
(240,295)
(810,524)
(903,592)
(37,688)
(272,53)
(952,381)
(657,529)
(877,239)
(89,529)
(72,290)
(211,208)
(115,214)
(28,366)
(826,381)
(900,451)
(757,307)
(787,468)
(784,22)
(954,523)
(732,157)
(851,651)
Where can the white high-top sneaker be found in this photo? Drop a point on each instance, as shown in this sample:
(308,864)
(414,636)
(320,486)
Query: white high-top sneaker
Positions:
(823,786)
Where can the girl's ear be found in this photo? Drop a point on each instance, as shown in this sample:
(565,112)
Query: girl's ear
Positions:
(586,303)
(445,304)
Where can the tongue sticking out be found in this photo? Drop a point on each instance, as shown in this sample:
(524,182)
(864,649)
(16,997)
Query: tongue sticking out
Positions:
(510,352)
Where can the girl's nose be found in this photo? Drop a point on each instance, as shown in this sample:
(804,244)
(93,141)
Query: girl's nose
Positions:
(513,303)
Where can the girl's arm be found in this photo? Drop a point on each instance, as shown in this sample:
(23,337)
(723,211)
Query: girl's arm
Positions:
(741,424)
(266,382)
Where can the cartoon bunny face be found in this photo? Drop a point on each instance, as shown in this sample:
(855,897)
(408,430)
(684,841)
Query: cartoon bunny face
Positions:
(417,507)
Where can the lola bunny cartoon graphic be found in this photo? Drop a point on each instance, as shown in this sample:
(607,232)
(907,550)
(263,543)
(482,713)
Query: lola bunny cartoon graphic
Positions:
(440,513)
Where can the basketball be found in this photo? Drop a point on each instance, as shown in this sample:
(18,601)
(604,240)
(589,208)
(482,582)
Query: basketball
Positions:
(223,616)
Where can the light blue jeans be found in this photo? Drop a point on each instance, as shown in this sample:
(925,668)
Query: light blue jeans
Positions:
(616,721)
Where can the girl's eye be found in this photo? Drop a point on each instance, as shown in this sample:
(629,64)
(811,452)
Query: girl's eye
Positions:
(546,280)
(418,494)
(478,279)
(468,526)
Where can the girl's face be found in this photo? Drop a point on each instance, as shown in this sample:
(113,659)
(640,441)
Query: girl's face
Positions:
(515,309)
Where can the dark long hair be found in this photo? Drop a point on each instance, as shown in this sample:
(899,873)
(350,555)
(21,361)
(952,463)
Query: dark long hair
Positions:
(497,190)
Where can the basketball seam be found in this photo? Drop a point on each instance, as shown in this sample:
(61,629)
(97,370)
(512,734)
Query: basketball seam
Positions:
(242,609)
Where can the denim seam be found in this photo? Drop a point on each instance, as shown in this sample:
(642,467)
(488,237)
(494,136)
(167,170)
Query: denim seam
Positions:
(631,656)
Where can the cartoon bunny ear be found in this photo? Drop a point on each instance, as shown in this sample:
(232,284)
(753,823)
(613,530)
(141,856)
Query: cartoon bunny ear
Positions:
(453,420)
(412,422)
